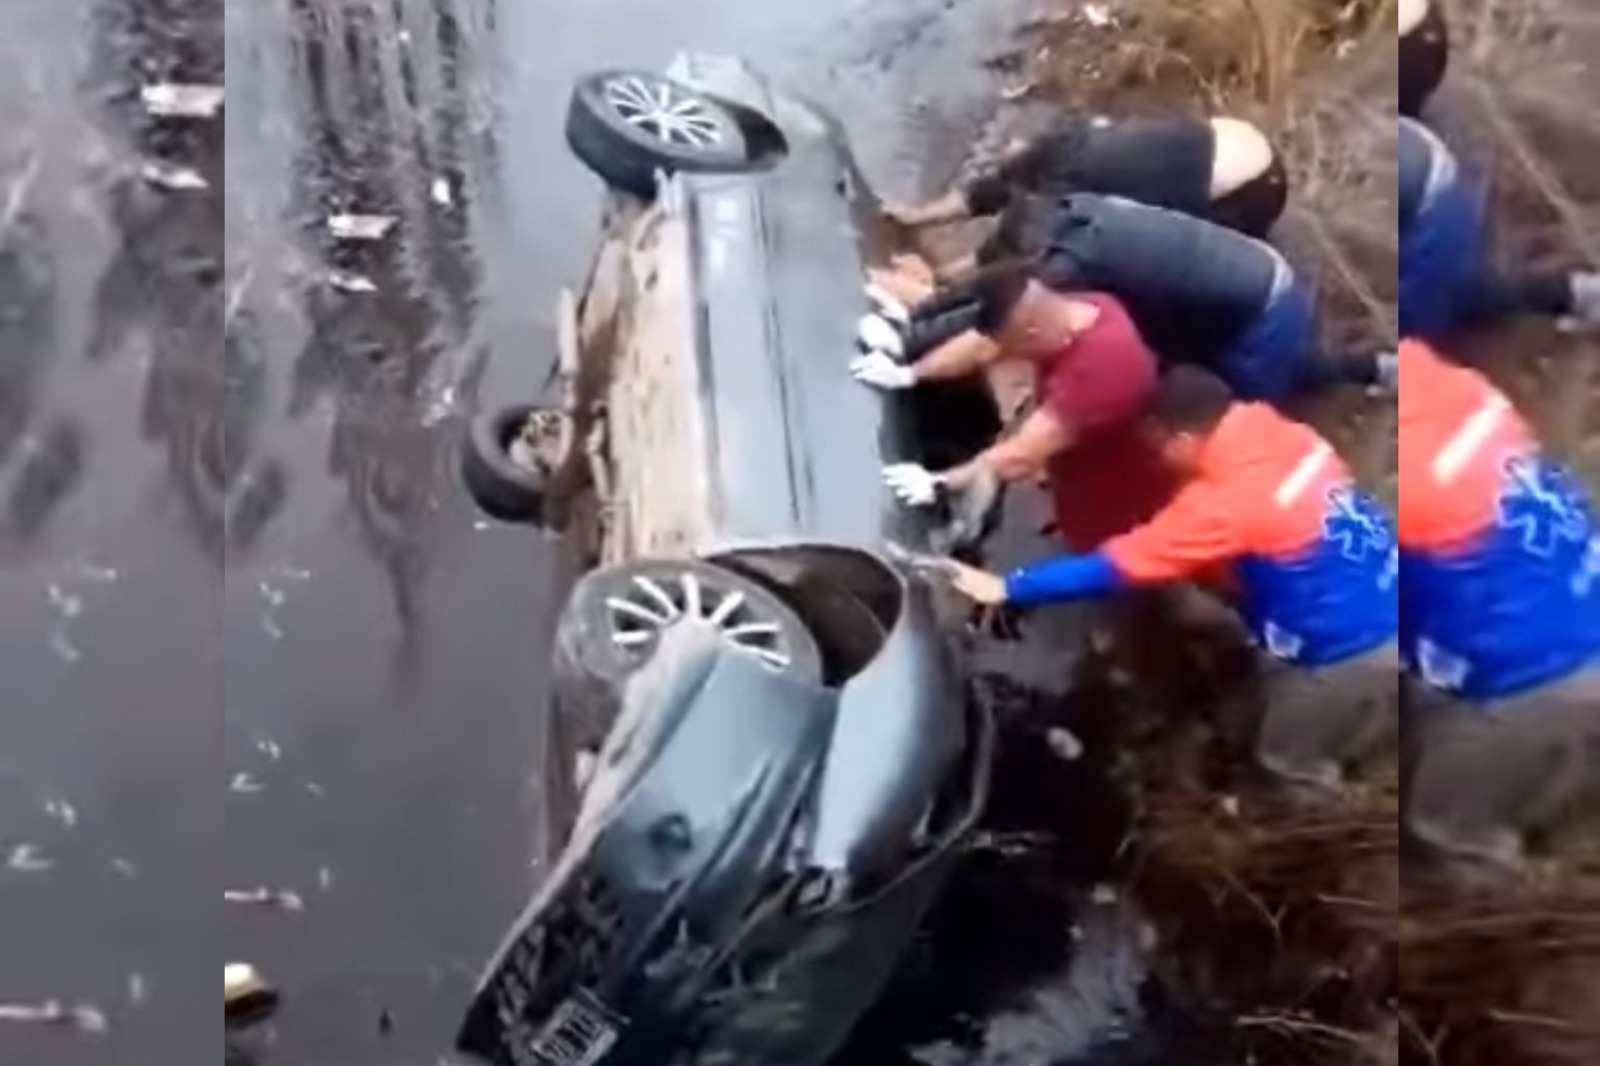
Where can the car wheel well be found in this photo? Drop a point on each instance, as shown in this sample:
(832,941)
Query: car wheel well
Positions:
(848,600)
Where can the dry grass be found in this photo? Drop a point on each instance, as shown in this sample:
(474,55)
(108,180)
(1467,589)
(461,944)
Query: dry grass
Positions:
(1313,900)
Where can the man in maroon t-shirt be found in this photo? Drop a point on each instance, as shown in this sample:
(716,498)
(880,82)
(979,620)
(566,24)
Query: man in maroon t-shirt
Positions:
(1094,377)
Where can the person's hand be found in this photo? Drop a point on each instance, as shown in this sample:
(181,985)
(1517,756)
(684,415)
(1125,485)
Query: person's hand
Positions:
(979,586)
(877,334)
(913,484)
(907,287)
(881,372)
(889,307)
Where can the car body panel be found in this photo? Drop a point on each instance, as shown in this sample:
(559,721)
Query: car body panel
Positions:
(797,445)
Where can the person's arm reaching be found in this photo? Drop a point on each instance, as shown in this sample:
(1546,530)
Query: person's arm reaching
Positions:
(958,358)
(1019,456)
(1195,533)
(951,207)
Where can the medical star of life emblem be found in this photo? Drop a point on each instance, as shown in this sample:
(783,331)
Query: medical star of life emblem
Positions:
(1544,504)
(1357,527)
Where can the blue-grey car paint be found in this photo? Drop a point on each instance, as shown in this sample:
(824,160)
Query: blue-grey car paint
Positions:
(794,454)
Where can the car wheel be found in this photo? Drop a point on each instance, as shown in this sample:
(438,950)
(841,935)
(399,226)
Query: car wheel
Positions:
(616,615)
(509,459)
(627,126)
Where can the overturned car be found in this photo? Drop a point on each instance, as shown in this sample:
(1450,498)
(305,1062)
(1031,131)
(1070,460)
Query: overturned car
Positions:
(762,760)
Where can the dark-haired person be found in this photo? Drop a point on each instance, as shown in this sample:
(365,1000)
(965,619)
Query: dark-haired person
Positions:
(1424,53)
(1313,558)
(1093,378)
(1500,589)
(1199,293)
(1447,281)
(1222,169)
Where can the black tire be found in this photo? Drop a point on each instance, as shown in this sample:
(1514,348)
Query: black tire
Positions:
(501,488)
(585,644)
(628,155)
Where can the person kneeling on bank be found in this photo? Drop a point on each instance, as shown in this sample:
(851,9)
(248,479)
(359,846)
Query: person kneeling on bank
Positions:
(1314,559)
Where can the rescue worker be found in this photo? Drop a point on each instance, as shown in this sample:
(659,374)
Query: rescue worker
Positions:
(1424,53)
(1313,557)
(1198,292)
(1446,279)
(1093,377)
(1500,579)
(1222,169)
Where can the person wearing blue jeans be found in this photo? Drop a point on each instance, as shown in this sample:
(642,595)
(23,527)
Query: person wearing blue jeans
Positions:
(1200,293)
(1447,281)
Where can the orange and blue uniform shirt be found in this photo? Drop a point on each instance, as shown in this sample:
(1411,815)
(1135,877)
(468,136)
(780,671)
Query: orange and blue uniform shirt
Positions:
(1314,558)
(1499,552)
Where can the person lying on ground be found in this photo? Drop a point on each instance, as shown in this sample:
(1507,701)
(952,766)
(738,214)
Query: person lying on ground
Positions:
(1222,169)
(1094,377)
(1198,292)
(1500,580)
(1424,53)
(1313,558)
(1447,281)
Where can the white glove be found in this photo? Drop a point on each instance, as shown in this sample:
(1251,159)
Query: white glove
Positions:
(913,484)
(878,334)
(888,307)
(881,372)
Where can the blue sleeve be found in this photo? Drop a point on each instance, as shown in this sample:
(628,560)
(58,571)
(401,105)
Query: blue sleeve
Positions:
(1064,578)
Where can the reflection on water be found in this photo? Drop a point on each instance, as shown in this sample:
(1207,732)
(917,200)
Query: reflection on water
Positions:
(383,335)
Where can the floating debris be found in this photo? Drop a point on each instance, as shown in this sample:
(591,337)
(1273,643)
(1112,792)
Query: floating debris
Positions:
(282,899)
(175,100)
(315,789)
(63,812)
(270,749)
(90,572)
(247,998)
(1064,744)
(1230,806)
(65,650)
(84,1018)
(28,859)
(125,868)
(360,227)
(1104,895)
(244,782)
(65,604)
(441,192)
(345,281)
(136,988)
(325,879)
(173,176)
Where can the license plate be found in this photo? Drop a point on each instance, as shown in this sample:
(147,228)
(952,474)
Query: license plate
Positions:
(581,1032)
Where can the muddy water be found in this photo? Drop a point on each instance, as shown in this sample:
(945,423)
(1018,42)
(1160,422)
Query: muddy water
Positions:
(229,532)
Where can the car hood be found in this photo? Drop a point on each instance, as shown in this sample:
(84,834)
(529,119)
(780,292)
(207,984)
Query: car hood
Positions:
(689,819)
